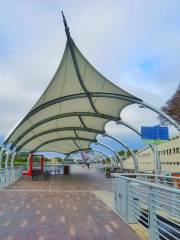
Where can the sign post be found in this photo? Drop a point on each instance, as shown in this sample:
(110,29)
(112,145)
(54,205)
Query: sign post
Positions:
(155,135)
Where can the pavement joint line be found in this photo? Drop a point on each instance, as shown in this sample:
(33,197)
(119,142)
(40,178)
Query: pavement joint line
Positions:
(38,212)
(109,229)
(72,231)
(9,238)
(7,223)
(16,209)
(24,224)
(62,219)
(48,191)
(41,238)
(1,213)
(114,224)
(42,219)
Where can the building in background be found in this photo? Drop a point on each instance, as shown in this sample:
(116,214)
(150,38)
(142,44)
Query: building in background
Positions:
(169,154)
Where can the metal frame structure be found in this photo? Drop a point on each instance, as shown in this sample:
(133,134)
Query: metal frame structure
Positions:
(9,176)
(61,139)
(101,157)
(118,121)
(129,149)
(102,153)
(1,156)
(109,148)
(8,153)
(90,130)
(107,95)
(76,129)
(86,94)
(98,159)
(59,130)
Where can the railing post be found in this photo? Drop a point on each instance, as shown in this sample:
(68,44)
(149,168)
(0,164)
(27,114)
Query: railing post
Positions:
(12,159)
(0,179)
(9,175)
(1,157)
(152,215)
(130,217)
(7,159)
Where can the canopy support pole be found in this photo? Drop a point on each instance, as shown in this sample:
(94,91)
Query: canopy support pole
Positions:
(7,158)
(12,159)
(1,156)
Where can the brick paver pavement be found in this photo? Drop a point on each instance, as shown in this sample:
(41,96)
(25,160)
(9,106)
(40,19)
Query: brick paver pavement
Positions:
(63,208)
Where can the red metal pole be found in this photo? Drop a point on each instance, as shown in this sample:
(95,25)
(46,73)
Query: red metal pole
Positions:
(42,163)
(30,165)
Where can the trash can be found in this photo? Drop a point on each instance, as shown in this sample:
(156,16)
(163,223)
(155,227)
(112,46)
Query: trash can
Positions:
(66,170)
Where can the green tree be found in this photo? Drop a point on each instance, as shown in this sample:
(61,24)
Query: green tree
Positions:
(122,153)
(172,108)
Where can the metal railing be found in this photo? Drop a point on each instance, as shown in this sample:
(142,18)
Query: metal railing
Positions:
(9,175)
(153,206)
(169,181)
(101,168)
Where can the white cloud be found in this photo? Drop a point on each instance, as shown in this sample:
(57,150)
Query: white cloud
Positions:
(116,36)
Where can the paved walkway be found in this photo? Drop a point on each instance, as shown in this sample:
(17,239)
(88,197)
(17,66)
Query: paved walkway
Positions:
(65,208)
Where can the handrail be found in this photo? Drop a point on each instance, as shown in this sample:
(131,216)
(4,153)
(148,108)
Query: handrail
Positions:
(154,185)
(149,175)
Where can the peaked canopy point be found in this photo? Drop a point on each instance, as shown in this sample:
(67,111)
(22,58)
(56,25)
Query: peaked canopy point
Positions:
(74,108)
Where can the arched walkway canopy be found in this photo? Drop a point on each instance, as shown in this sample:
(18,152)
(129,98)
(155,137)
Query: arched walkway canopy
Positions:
(78,97)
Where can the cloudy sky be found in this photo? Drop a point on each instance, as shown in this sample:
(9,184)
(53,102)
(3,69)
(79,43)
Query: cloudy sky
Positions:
(134,43)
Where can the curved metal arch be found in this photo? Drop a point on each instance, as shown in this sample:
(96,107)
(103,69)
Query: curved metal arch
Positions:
(58,130)
(79,129)
(98,156)
(98,159)
(103,116)
(62,139)
(101,156)
(72,97)
(91,130)
(157,162)
(96,94)
(128,148)
(64,115)
(117,156)
(82,95)
(93,150)
(79,150)
(128,126)
(76,151)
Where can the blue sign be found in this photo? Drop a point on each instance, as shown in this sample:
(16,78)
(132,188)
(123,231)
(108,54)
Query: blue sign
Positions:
(155,133)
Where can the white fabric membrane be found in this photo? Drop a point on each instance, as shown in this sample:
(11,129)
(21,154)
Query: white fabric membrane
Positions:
(47,113)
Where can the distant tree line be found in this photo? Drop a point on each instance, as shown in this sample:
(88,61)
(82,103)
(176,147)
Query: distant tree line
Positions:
(123,153)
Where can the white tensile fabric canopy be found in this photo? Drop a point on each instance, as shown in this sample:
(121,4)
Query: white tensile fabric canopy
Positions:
(73,109)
